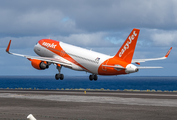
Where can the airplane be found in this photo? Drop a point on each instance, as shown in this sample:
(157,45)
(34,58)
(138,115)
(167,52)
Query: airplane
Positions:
(65,55)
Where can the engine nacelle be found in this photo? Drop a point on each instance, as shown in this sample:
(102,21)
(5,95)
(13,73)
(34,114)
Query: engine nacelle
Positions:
(38,64)
(130,68)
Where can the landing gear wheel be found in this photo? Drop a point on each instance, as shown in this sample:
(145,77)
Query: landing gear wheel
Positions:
(91,77)
(95,77)
(61,76)
(57,76)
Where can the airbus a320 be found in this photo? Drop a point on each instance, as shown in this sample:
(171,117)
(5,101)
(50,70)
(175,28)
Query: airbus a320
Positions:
(80,59)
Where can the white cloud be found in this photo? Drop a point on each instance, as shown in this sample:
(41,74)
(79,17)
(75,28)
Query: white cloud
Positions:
(164,38)
(82,40)
(44,17)
(86,39)
(35,23)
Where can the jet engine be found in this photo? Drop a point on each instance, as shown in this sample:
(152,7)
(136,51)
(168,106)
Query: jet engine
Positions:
(38,64)
(130,68)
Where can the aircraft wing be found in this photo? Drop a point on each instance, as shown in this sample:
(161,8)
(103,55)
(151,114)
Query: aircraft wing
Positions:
(47,59)
(138,61)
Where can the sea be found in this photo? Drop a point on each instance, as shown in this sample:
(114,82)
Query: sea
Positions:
(83,82)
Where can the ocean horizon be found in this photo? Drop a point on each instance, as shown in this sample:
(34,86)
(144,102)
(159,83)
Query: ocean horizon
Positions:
(162,83)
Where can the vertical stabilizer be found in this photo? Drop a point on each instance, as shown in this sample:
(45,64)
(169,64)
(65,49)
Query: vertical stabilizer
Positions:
(127,50)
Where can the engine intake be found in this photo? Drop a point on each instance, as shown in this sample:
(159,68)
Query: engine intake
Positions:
(38,64)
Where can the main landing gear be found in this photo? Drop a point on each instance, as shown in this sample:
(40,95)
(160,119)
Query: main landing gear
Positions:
(59,76)
(93,77)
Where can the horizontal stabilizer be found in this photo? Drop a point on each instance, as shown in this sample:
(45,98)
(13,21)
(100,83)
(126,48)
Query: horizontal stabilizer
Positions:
(111,66)
(146,67)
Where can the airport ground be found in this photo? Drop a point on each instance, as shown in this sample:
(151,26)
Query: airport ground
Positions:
(94,105)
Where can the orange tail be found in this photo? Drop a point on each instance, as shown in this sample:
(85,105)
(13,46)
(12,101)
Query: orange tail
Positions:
(127,50)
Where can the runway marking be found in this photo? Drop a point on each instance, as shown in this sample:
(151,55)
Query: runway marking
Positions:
(94,93)
(95,99)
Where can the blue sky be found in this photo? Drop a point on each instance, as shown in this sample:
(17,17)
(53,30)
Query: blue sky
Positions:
(100,25)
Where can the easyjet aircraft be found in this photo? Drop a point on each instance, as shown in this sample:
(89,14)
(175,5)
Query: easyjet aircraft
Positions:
(76,58)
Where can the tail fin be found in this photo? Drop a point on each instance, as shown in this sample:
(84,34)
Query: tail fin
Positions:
(127,50)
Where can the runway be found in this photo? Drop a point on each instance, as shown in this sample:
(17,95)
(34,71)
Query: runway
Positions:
(94,105)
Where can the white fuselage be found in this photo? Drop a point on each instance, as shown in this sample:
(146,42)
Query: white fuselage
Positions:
(90,60)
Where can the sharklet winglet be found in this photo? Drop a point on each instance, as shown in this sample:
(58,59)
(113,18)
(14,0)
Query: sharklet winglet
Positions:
(8,47)
(168,52)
